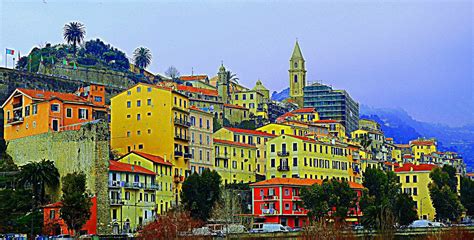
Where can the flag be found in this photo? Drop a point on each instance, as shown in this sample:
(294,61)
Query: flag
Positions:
(75,67)
(52,60)
(18,55)
(10,51)
(64,62)
(41,60)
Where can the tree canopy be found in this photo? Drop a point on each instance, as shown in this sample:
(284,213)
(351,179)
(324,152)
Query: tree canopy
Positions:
(74,33)
(38,175)
(467,195)
(76,203)
(200,193)
(142,57)
(443,193)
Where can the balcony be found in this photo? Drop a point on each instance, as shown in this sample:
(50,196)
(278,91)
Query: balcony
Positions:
(283,154)
(270,198)
(17,104)
(222,156)
(134,185)
(178,154)
(181,122)
(296,198)
(181,137)
(355,156)
(283,168)
(298,212)
(269,211)
(116,201)
(115,184)
(152,187)
(15,120)
(178,179)
(188,155)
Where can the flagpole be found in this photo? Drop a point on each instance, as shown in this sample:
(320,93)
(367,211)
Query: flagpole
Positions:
(5,58)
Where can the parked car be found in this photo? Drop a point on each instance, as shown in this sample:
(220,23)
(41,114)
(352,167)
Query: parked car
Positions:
(267,228)
(425,224)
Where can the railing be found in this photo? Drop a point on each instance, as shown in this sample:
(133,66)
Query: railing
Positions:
(17,105)
(178,179)
(152,187)
(15,120)
(283,154)
(181,137)
(178,153)
(115,201)
(182,122)
(115,184)
(133,185)
(283,168)
(298,212)
(269,211)
(296,198)
(188,155)
(222,155)
(270,197)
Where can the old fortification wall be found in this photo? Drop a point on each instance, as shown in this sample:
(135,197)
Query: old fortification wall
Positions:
(85,150)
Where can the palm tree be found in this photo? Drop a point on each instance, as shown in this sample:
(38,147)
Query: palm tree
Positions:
(38,175)
(142,57)
(74,33)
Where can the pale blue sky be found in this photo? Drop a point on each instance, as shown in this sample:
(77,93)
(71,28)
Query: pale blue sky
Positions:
(416,55)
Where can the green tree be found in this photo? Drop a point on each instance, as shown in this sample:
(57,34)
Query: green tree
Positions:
(443,193)
(383,202)
(332,194)
(76,202)
(6,161)
(200,193)
(38,175)
(142,57)
(74,33)
(467,195)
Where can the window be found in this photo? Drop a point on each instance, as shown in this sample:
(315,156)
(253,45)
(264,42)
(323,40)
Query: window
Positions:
(415,191)
(296,78)
(129,92)
(129,104)
(54,107)
(128,133)
(35,109)
(98,99)
(236,97)
(83,113)
(149,89)
(272,163)
(139,89)
(69,112)
(244,96)
(287,206)
(148,101)
(27,111)
(295,147)
(138,117)
(139,103)
(415,179)
(251,96)
(52,212)
(295,162)
(407,179)
(140,146)
(287,192)
(272,148)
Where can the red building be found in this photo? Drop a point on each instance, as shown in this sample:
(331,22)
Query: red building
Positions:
(277,200)
(53,224)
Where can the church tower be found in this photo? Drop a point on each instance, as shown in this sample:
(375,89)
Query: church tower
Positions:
(297,73)
(223,84)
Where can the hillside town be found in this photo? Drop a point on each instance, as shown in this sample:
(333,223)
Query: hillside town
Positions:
(148,145)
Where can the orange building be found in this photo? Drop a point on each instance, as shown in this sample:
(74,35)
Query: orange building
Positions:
(29,112)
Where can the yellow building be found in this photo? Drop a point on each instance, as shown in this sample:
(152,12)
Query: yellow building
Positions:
(421,147)
(301,157)
(153,120)
(399,151)
(279,129)
(253,100)
(251,137)
(306,115)
(335,127)
(235,161)
(414,180)
(235,114)
(132,190)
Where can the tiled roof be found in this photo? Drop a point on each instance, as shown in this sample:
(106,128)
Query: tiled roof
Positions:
(204,91)
(407,167)
(48,95)
(407,156)
(307,139)
(234,106)
(198,109)
(392,164)
(389,139)
(304,110)
(327,121)
(247,131)
(298,182)
(193,77)
(125,167)
(284,116)
(402,145)
(422,142)
(471,174)
(153,158)
(233,143)
(54,205)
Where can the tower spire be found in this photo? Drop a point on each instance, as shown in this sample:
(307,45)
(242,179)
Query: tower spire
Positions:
(297,51)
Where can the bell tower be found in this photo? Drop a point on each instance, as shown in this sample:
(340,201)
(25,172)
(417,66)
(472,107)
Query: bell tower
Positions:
(297,73)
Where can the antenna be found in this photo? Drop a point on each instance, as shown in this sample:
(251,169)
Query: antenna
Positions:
(192,71)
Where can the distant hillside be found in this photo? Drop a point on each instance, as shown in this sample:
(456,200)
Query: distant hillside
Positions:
(280,96)
(402,127)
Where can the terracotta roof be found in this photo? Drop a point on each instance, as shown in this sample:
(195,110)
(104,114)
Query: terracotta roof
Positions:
(389,139)
(193,77)
(204,91)
(234,106)
(125,167)
(407,167)
(48,95)
(471,174)
(153,158)
(402,145)
(247,131)
(392,164)
(304,110)
(327,121)
(298,182)
(233,143)
(407,156)
(303,138)
(54,205)
(198,109)
(284,116)
(422,142)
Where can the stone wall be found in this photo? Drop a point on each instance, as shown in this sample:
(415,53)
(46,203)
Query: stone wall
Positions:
(85,150)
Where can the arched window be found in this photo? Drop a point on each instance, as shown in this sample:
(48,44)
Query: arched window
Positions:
(296,78)
(296,64)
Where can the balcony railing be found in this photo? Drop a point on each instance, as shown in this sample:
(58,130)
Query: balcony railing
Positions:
(116,201)
(270,197)
(115,184)
(222,155)
(15,120)
(296,198)
(188,155)
(178,179)
(152,187)
(283,168)
(182,122)
(283,154)
(181,137)
(135,185)
(269,211)
(298,212)
(178,154)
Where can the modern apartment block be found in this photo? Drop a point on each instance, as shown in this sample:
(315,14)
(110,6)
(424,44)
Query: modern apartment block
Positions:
(333,104)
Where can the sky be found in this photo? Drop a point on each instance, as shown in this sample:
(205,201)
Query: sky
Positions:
(414,55)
